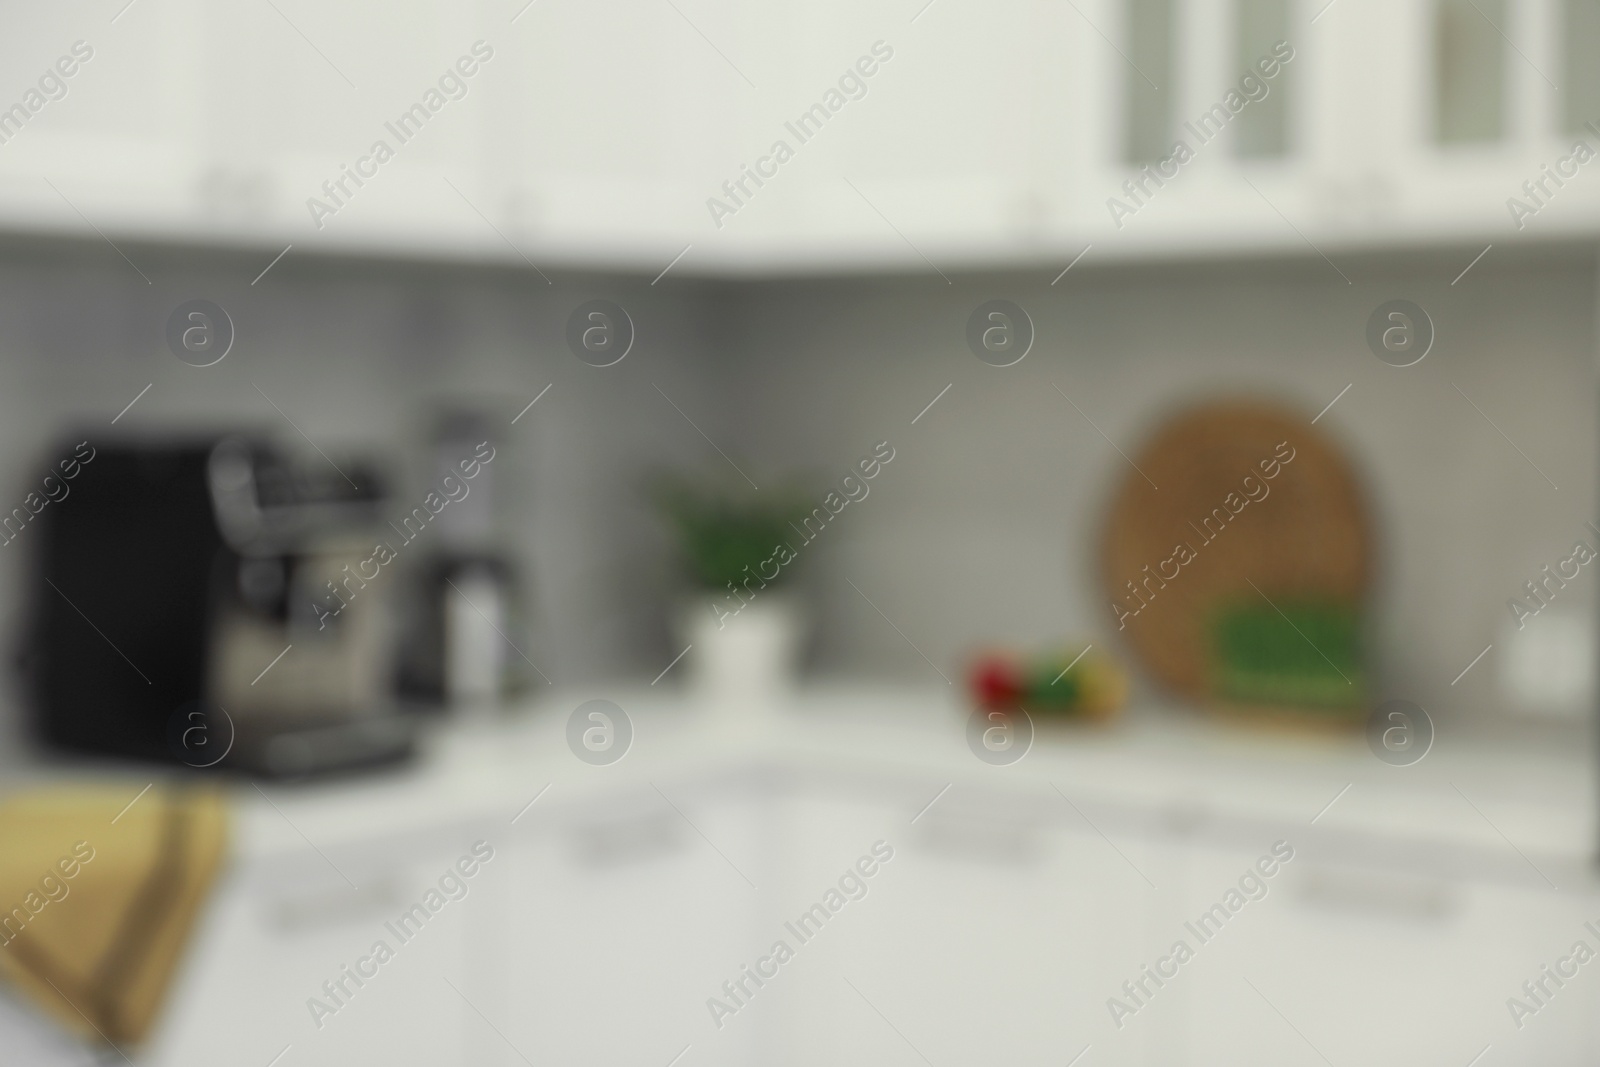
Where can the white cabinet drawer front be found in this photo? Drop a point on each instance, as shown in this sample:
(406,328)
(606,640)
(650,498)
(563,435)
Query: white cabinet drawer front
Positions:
(1365,965)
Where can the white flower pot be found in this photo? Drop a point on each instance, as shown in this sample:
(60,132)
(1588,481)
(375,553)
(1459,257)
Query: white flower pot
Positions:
(745,662)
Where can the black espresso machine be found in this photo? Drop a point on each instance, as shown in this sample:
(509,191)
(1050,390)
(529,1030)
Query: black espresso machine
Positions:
(176,609)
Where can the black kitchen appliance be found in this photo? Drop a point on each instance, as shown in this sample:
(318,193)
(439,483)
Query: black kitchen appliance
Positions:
(167,576)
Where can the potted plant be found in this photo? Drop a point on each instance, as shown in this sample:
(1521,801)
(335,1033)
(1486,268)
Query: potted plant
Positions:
(741,618)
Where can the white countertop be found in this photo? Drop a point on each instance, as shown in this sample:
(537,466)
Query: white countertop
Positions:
(1150,771)
(1517,807)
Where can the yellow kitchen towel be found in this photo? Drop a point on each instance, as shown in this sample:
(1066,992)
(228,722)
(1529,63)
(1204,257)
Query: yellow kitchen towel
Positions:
(98,896)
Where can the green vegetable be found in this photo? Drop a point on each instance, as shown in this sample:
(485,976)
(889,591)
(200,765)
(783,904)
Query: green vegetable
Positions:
(1308,656)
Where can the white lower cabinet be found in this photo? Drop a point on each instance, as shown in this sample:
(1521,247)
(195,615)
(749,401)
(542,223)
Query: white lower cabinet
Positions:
(1007,930)
(991,936)
(273,936)
(621,918)
(1361,963)
(793,920)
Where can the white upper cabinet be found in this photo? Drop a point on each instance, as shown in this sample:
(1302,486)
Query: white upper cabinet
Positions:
(101,121)
(762,138)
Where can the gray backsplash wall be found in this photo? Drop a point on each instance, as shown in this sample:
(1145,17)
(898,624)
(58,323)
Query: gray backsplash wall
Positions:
(986,527)
(361,356)
(983,528)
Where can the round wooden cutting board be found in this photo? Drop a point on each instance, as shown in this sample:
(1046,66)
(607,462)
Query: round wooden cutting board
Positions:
(1254,493)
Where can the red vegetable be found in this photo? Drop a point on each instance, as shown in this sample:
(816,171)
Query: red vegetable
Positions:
(997,682)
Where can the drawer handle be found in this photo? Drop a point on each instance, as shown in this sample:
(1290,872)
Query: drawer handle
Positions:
(331,905)
(1394,898)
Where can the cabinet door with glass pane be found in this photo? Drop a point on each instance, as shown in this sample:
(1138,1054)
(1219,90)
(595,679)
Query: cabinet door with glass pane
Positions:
(1317,124)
